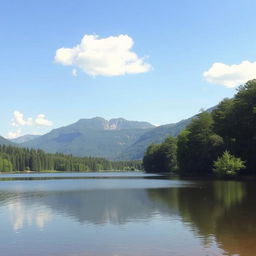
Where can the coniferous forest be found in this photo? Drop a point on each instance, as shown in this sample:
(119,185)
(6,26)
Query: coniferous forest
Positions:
(220,143)
(24,159)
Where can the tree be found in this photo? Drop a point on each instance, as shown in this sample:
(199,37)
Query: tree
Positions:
(235,121)
(227,165)
(198,146)
(20,159)
(161,157)
(5,165)
(151,158)
(168,152)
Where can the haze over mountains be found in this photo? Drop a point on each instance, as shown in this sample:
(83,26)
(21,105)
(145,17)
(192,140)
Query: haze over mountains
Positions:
(25,138)
(116,139)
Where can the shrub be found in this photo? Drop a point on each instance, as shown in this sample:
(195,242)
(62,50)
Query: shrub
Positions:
(227,165)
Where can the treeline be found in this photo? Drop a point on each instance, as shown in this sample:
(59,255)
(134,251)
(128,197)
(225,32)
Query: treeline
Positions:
(222,142)
(24,159)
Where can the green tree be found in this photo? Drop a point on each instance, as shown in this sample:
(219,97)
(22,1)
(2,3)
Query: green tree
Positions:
(151,158)
(198,146)
(5,165)
(20,159)
(168,152)
(227,165)
(161,157)
(235,121)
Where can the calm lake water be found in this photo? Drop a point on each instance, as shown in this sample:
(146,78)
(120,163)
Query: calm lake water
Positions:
(125,214)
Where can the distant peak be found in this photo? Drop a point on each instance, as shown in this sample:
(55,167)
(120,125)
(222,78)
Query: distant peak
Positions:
(100,123)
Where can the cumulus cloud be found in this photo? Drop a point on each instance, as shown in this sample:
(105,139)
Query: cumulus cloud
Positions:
(110,56)
(231,75)
(41,120)
(19,120)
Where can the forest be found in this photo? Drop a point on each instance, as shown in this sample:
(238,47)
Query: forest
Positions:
(219,143)
(24,159)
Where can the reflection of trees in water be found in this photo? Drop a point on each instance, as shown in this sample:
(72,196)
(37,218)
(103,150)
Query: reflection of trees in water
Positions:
(167,196)
(224,210)
(230,192)
(236,229)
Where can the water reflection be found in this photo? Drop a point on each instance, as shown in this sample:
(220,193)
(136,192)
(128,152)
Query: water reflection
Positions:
(20,215)
(220,212)
(223,211)
(93,206)
(229,193)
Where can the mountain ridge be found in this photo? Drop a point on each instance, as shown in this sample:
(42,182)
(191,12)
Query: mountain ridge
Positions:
(114,139)
(92,137)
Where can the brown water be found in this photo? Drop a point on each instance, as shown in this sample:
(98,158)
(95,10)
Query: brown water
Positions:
(125,214)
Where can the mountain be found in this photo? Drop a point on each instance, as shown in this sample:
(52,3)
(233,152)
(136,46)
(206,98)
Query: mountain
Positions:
(4,141)
(25,138)
(116,139)
(92,137)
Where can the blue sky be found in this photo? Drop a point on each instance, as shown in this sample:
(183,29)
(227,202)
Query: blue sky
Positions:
(171,77)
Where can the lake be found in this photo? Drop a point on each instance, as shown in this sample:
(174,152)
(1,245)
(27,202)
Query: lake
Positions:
(125,214)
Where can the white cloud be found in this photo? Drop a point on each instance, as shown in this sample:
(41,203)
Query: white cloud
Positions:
(19,119)
(110,56)
(20,122)
(13,135)
(231,75)
(41,120)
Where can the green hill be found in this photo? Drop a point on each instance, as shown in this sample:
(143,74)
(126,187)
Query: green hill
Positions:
(4,141)
(92,137)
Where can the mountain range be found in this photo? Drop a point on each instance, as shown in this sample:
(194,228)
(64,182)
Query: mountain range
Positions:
(116,139)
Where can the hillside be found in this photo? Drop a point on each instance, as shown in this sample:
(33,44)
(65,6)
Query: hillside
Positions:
(4,141)
(92,137)
(156,135)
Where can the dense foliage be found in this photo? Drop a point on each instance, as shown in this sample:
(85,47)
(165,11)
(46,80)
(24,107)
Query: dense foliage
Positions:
(230,126)
(5,165)
(20,159)
(227,165)
(161,157)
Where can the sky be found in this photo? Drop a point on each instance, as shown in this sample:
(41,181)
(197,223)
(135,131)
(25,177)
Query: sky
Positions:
(157,61)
